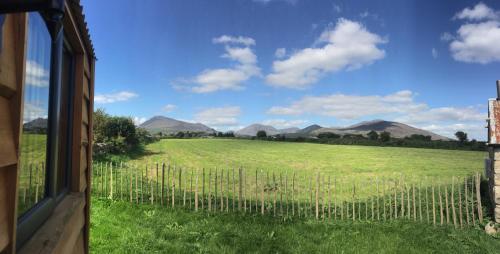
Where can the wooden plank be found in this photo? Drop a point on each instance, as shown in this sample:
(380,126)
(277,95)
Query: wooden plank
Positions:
(8,147)
(85,111)
(8,68)
(4,205)
(79,247)
(85,134)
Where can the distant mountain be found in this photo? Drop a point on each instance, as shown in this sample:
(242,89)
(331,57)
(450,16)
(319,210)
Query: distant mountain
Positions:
(310,129)
(252,130)
(170,125)
(397,130)
(289,130)
(39,123)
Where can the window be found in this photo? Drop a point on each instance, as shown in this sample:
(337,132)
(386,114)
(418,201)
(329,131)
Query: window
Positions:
(45,138)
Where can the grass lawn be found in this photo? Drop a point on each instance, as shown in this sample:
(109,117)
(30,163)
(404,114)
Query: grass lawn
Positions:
(335,160)
(120,227)
(350,165)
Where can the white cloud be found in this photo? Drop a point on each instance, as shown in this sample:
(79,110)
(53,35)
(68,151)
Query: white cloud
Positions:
(268,1)
(434,53)
(446,36)
(139,120)
(247,41)
(169,108)
(477,40)
(36,74)
(474,131)
(211,80)
(114,97)
(337,8)
(219,117)
(400,106)
(32,111)
(282,123)
(280,53)
(347,46)
(480,12)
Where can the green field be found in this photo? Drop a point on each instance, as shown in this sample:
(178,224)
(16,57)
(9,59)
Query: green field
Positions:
(119,227)
(335,160)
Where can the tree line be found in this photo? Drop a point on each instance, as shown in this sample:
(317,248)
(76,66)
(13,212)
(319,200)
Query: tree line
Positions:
(374,138)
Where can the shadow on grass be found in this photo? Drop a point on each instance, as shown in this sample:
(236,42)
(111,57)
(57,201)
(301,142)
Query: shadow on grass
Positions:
(120,227)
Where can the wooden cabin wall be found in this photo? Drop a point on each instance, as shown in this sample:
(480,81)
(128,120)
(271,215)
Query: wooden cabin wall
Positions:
(67,229)
(12,66)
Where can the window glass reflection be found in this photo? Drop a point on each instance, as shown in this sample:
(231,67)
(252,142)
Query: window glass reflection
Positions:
(32,179)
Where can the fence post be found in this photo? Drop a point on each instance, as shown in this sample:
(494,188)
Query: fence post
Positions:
(234,191)
(329,199)
(162,183)
(395,198)
(228,191)
(196,193)
(441,214)
(240,188)
(273,188)
(460,205)
(244,190)
(433,206)
(210,190)
(262,200)
(472,200)
(447,203)
(216,180)
(427,200)
(203,190)
(466,194)
(256,191)
(478,197)
(453,201)
(173,186)
(384,186)
(222,190)
(420,200)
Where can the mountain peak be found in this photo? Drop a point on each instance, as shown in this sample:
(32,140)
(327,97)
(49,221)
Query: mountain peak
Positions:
(170,125)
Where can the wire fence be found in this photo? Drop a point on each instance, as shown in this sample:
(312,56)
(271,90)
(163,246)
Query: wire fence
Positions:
(455,201)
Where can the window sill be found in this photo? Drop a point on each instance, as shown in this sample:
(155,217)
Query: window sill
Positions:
(58,233)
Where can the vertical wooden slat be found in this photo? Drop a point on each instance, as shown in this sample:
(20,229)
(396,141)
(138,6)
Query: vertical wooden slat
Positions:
(453,201)
(478,198)
(234,191)
(446,204)
(222,190)
(317,196)
(210,190)
(293,194)
(441,214)
(472,206)
(433,206)
(203,189)
(240,188)
(414,207)
(196,193)
(466,194)
(460,215)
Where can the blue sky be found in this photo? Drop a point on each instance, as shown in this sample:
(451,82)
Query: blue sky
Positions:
(230,63)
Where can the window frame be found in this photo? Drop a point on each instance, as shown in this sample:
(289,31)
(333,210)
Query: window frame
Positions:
(29,222)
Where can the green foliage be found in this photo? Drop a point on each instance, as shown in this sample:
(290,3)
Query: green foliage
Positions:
(461,136)
(116,135)
(261,134)
(328,135)
(385,136)
(373,135)
(120,227)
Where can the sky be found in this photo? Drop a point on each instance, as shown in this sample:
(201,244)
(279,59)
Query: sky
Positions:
(231,63)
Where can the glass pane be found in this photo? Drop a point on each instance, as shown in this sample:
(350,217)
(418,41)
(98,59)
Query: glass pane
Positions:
(32,187)
(66,83)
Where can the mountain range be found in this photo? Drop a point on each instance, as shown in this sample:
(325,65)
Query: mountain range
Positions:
(171,126)
(397,130)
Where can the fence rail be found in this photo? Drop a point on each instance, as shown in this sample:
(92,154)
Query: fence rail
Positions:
(309,194)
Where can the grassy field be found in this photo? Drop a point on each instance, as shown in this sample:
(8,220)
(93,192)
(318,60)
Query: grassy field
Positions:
(335,160)
(119,227)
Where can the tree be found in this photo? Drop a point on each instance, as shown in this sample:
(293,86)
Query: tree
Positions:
(385,136)
(261,134)
(461,136)
(373,135)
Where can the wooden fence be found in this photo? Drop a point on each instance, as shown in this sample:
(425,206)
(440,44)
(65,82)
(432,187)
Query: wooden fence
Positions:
(456,201)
